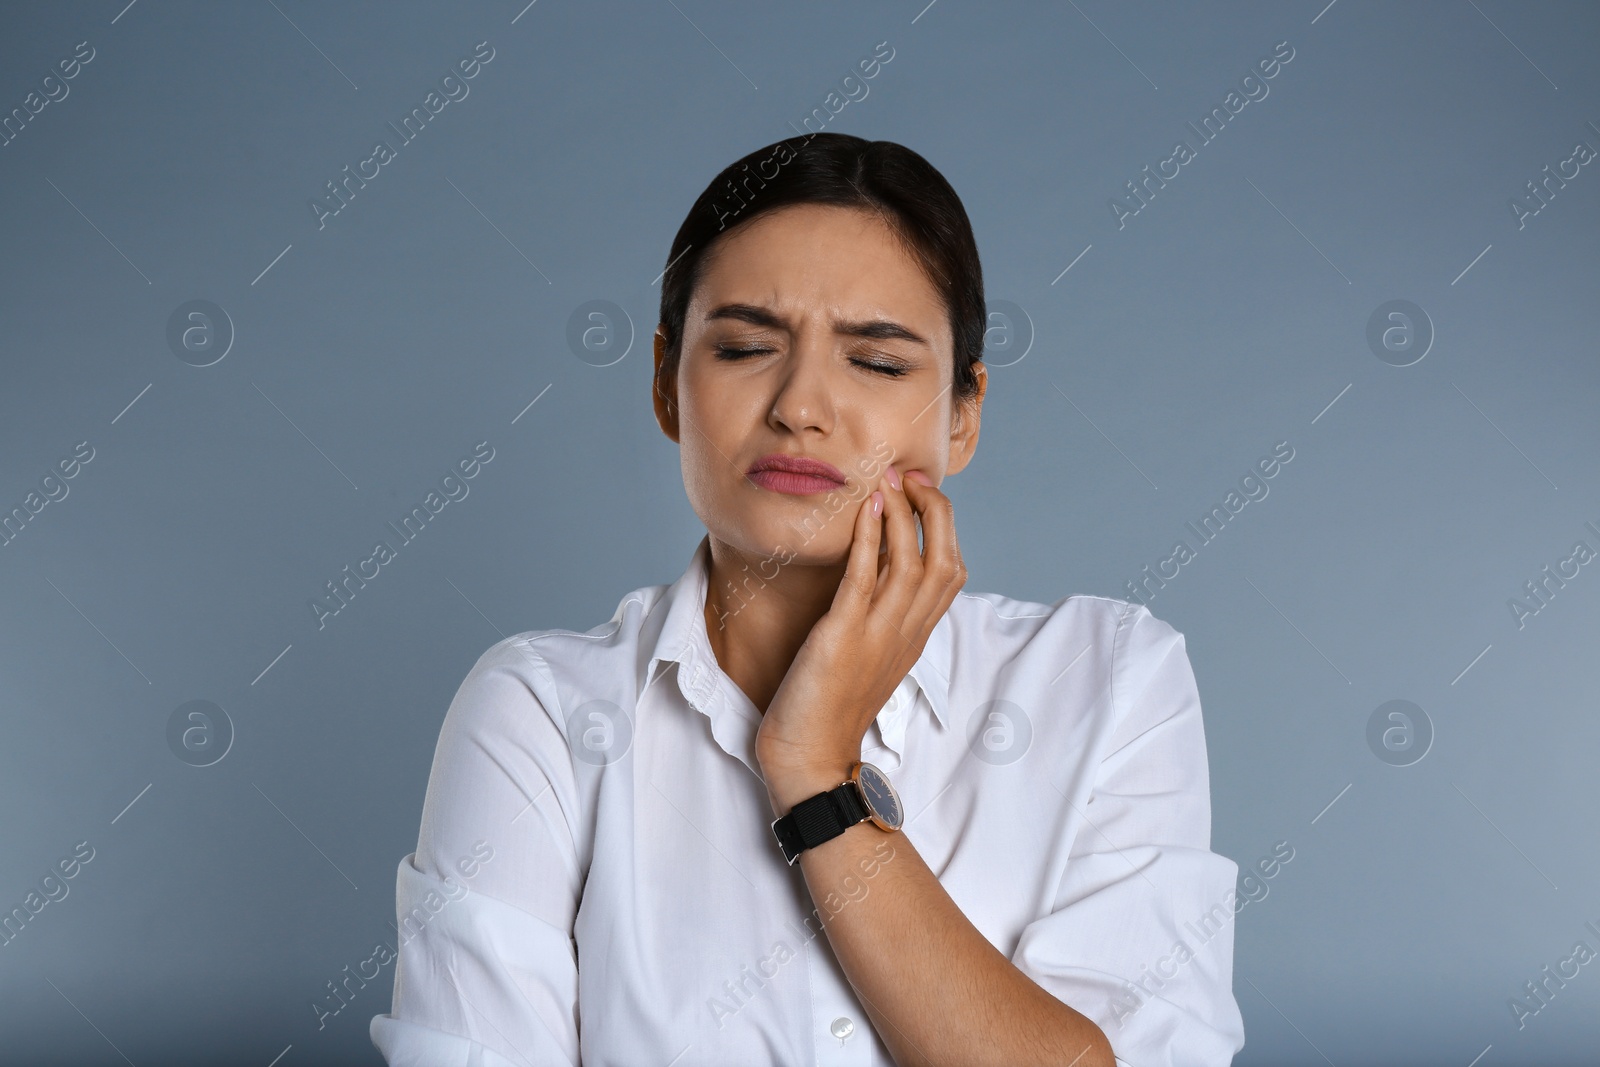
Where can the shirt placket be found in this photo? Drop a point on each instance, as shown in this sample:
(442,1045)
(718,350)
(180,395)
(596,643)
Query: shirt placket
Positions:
(841,1032)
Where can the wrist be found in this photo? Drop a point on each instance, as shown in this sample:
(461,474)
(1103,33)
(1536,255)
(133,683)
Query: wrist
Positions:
(788,785)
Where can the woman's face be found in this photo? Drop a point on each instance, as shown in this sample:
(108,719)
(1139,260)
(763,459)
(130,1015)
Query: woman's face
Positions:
(851,364)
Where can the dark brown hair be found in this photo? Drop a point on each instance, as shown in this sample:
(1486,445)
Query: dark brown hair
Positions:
(882,177)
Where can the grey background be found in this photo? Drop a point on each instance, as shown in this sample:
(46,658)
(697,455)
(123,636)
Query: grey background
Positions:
(1228,315)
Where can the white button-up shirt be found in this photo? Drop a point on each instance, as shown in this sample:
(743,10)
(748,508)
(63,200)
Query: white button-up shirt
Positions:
(596,880)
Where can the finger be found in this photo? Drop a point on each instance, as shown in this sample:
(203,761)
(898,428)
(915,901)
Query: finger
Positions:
(944,571)
(902,573)
(855,592)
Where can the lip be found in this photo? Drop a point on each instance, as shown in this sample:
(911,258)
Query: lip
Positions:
(795,475)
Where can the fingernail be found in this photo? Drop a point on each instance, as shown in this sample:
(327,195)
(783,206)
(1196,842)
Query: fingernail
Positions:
(894,477)
(918,476)
(877,503)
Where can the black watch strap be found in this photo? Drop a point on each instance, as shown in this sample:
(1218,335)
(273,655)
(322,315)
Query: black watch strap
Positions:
(818,819)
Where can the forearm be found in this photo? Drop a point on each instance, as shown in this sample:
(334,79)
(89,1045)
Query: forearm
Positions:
(934,987)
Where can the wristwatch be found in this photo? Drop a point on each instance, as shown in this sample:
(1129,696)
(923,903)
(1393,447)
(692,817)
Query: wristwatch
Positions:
(867,794)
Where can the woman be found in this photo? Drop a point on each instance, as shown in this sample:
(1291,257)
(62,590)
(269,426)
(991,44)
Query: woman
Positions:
(1028,888)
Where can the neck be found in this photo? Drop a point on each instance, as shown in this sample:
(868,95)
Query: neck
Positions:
(759,613)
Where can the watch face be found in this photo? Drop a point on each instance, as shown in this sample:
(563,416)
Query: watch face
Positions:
(883,803)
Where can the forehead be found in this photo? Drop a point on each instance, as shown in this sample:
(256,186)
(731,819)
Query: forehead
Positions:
(808,259)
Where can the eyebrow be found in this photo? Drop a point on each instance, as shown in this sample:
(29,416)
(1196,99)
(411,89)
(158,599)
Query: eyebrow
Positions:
(874,329)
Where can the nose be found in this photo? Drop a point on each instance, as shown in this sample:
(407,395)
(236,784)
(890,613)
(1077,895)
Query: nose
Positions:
(804,398)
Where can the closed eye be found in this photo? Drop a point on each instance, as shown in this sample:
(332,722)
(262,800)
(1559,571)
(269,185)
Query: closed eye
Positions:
(731,354)
(892,370)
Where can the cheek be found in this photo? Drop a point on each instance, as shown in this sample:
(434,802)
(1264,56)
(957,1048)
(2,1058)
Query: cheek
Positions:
(906,444)
(710,448)
(714,428)
(706,474)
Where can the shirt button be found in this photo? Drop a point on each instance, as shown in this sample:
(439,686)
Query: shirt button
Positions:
(842,1028)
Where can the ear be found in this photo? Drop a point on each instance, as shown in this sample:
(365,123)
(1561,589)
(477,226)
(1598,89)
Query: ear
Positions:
(964,426)
(664,393)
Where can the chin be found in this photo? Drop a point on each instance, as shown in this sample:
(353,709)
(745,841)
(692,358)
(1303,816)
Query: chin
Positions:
(810,536)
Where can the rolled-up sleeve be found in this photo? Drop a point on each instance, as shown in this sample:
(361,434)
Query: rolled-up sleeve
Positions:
(1141,935)
(486,969)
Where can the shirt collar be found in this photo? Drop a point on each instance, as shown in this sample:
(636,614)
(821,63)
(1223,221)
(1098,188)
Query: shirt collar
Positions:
(679,622)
